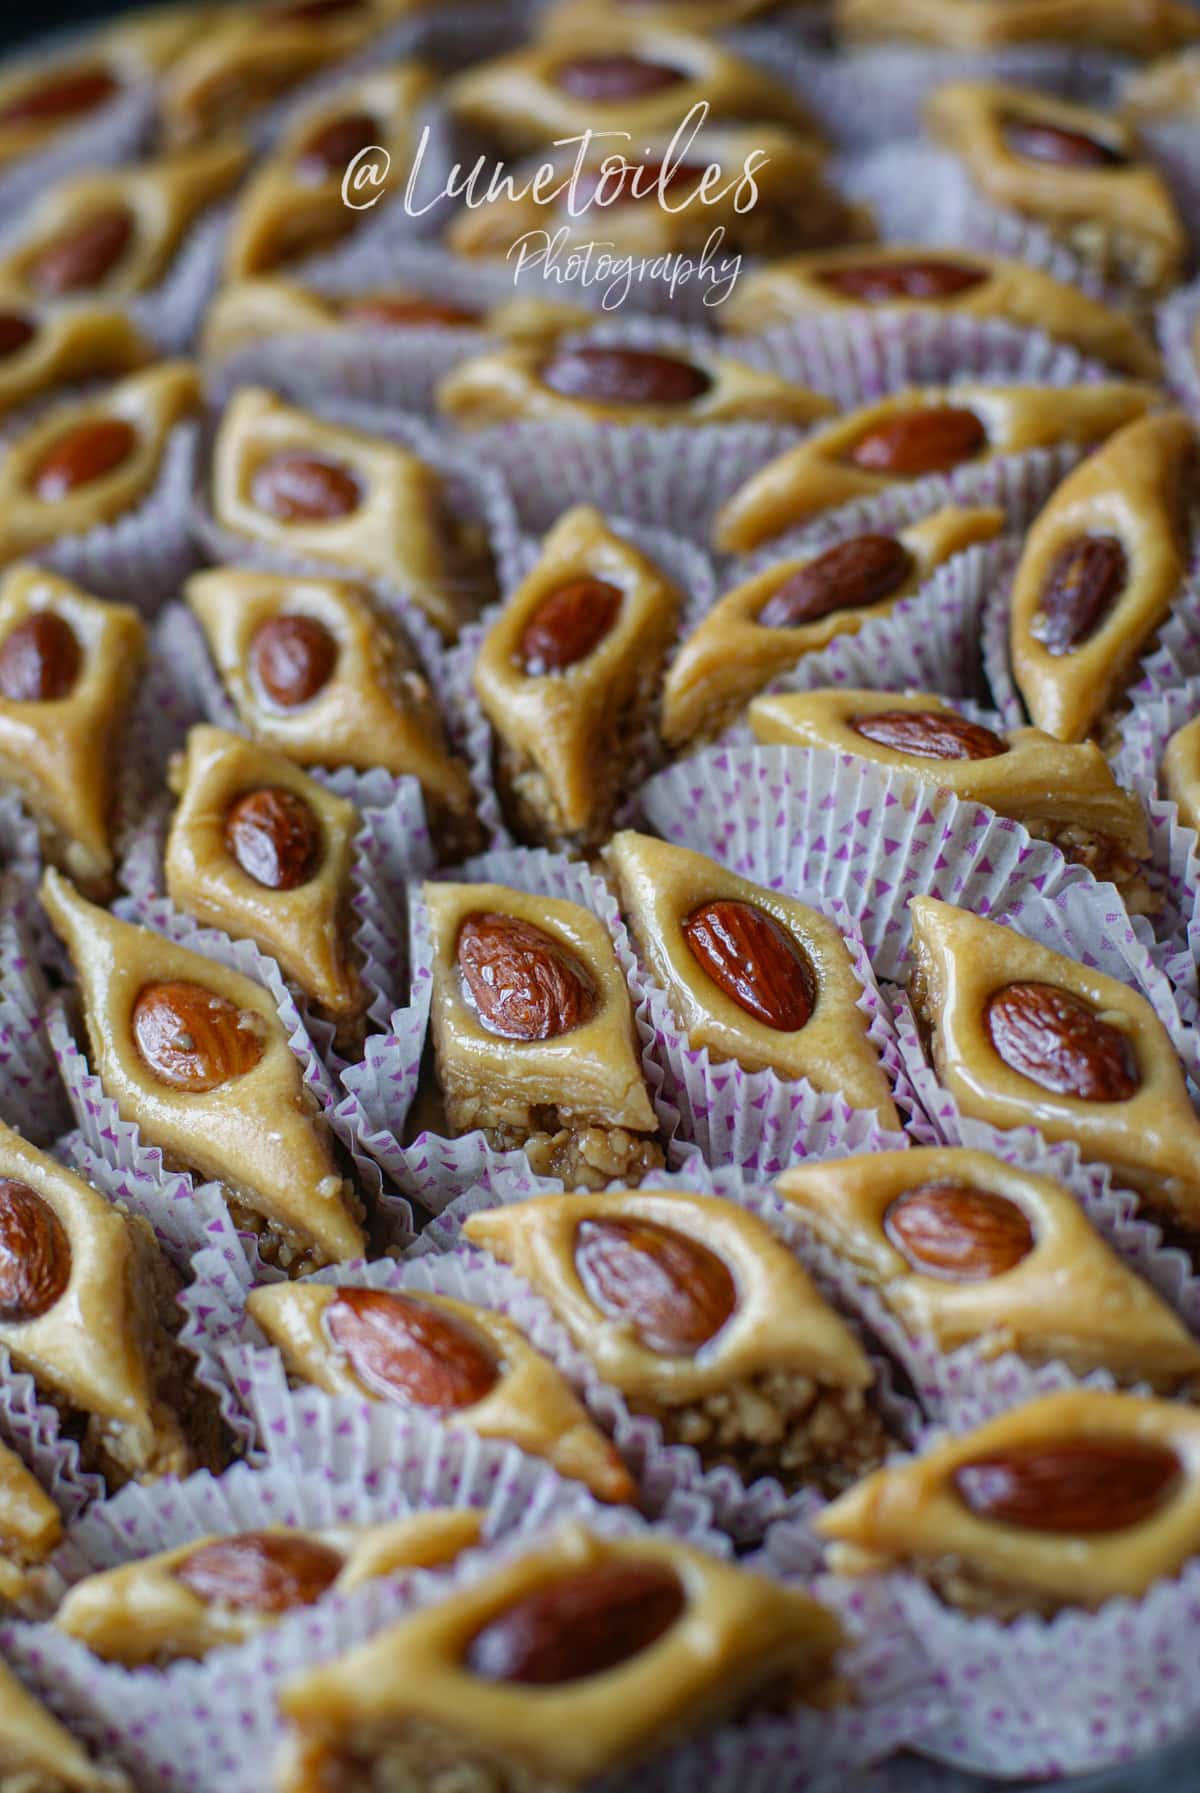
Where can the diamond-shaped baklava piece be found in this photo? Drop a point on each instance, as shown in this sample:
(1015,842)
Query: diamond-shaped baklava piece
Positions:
(293,481)
(766,624)
(533,1033)
(220,1591)
(1070,1500)
(1022,1036)
(567,675)
(581,1657)
(113,234)
(1100,568)
(1061,792)
(30,1523)
(891,277)
(253,311)
(455,1361)
(1078,171)
(1181,772)
(704,1320)
(46,345)
(87,1307)
(987,25)
(261,850)
(293,204)
(197,1057)
(965,1248)
(318,672)
(87,462)
(911,434)
(68,666)
(750,974)
(39,1754)
(616,383)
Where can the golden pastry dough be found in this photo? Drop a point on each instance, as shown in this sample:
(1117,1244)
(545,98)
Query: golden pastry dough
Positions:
(1181,772)
(566,18)
(1164,89)
(30,1528)
(44,346)
(39,1754)
(1129,27)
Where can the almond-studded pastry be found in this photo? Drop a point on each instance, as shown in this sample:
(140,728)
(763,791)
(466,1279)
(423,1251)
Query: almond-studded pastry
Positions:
(30,1523)
(1063,793)
(1070,1500)
(1143,29)
(458,1362)
(617,383)
(40,1755)
(286,478)
(44,345)
(615,77)
(649,200)
(68,666)
(251,311)
(965,1248)
(583,1656)
(113,234)
(565,18)
(1165,89)
(196,1056)
(90,461)
(766,624)
(567,674)
(704,1320)
(911,434)
(533,1034)
(219,1591)
(1022,1036)
(888,278)
(87,1308)
(1181,772)
(317,672)
(293,205)
(1079,172)
(261,850)
(749,973)
(1100,569)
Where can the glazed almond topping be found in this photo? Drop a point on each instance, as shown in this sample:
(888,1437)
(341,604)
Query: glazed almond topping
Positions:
(1086,578)
(1060,1042)
(305,488)
(293,658)
(568,625)
(83,254)
(86,452)
(957,1233)
(410,1352)
(35,1254)
(584,1625)
(754,961)
(275,837)
(930,734)
(16,333)
(40,659)
(610,376)
(64,94)
(882,283)
(932,440)
(193,1039)
(331,147)
(522,983)
(675,1292)
(1039,141)
(1081,1486)
(615,77)
(849,576)
(266,1572)
(393,311)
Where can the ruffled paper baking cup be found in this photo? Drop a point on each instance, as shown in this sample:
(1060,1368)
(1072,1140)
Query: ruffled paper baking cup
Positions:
(31,1094)
(33,1429)
(171,313)
(1176,324)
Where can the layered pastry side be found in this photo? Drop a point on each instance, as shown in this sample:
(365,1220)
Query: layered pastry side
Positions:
(965,1248)
(1061,792)
(218,1592)
(318,671)
(1078,171)
(30,1524)
(763,627)
(984,25)
(1022,1036)
(39,1755)
(910,435)
(533,1034)
(580,1658)
(749,973)
(1069,1501)
(457,1362)
(568,675)
(91,460)
(68,667)
(88,1309)
(196,1056)
(1180,772)
(706,1322)
(1101,567)
(289,480)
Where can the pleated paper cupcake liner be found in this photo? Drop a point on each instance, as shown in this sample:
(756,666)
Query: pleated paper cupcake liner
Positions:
(31,1095)
(1170,143)
(111,135)
(171,313)
(1176,322)
(33,1429)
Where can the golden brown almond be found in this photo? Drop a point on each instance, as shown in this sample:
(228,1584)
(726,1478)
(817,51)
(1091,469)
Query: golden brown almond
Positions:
(394,312)
(1059,1041)
(330,148)
(40,659)
(35,1254)
(275,837)
(614,77)
(522,983)
(608,376)
(584,1625)
(1079,1486)
(958,1233)
(293,658)
(82,255)
(1039,141)
(63,94)
(675,1292)
(754,961)
(930,734)
(193,1039)
(1085,580)
(407,1351)
(569,625)
(88,451)
(260,1571)
(304,488)
(932,440)
(883,283)
(16,333)
(849,576)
